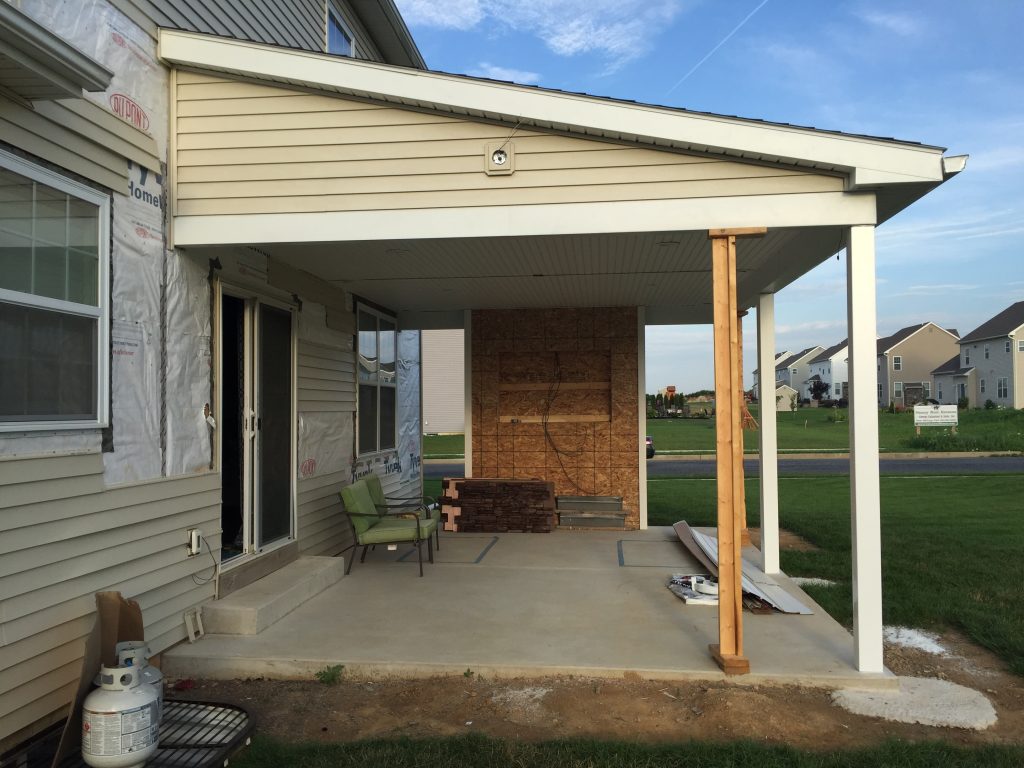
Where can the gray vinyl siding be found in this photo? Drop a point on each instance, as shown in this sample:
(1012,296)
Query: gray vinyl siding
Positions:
(334,154)
(291,23)
(80,137)
(65,536)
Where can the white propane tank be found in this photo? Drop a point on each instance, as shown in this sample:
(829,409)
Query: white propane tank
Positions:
(135,653)
(119,720)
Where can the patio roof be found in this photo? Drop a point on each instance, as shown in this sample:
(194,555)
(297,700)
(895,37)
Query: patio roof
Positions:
(431,263)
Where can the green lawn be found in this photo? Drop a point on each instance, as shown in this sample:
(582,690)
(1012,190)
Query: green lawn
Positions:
(951,547)
(479,751)
(812,429)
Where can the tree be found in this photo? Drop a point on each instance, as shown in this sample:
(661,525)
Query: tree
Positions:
(819,389)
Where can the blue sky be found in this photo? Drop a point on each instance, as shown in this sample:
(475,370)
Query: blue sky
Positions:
(943,72)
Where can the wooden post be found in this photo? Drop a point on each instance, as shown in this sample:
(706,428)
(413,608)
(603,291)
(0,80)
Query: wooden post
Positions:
(745,416)
(728,652)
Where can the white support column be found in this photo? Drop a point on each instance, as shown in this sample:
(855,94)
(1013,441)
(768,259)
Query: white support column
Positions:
(769,452)
(467,354)
(641,388)
(864,487)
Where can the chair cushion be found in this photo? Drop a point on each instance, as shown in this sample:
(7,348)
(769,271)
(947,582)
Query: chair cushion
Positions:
(395,529)
(376,489)
(360,506)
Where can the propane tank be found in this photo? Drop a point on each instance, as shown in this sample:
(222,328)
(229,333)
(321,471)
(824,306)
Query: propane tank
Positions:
(135,653)
(119,723)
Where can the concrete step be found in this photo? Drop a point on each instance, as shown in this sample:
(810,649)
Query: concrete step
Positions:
(255,607)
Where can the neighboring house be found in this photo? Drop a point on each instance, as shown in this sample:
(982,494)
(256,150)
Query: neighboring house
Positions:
(830,366)
(995,349)
(793,371)
(756,374)
(444,385)
(784,395)
(953,382)
(906,360)
(222,235)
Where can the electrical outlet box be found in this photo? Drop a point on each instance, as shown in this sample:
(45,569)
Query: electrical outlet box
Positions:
(195,542)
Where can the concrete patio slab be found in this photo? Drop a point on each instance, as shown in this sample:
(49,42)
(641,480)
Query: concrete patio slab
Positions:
(587,603)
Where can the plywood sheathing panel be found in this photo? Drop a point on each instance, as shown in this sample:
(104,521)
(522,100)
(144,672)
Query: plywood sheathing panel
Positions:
(592,355)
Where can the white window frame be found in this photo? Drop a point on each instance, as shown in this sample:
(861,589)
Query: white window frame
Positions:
(897,363)
(379,314)
(938,391)
(927,387)
(1003,387)
(986,351)
(1020,345)
(332,11)
(967,357)
(897,390)
(982,386)
(100,313)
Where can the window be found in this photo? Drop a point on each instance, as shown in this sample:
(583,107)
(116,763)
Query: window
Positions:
(839,390)
(378,380)
(938,391)
(927,386)
(794,371)
(1009,345)
(1020,345)
(340,39)
(54,241)
(879,393)
(897,390)
(967,357)
(897,363)
(983,386)
(1002,387)
(986,351)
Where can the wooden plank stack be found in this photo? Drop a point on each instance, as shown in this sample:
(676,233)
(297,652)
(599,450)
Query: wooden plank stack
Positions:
(497,505)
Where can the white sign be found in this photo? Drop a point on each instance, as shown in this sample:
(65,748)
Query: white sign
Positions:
(935,416)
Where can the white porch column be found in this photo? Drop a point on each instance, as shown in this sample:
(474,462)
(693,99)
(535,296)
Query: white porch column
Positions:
(467,430)
(864,487)
(641,387)
(769,453)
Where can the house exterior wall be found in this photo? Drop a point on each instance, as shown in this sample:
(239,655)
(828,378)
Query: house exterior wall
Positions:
(444,390)
(576,369)
(86,510)
(998,364)
(336,154)
(919,355)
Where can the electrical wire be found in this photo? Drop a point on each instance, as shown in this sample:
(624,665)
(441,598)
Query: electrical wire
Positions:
(559,452)
(216,566)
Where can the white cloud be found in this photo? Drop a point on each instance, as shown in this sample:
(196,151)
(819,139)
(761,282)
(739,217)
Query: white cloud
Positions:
(494,72)
(897,23)
(619,30)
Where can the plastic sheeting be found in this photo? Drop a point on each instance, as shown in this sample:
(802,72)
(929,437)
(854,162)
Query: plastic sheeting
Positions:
(325,443)
(137,274)
(187,388)
(138,90)
(313,328)
(410,430)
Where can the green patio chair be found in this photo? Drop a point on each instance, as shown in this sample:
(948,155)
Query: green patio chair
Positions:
(428,503)
(372,525)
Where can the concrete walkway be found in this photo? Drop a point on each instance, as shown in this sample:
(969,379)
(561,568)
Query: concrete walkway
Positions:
(589,603)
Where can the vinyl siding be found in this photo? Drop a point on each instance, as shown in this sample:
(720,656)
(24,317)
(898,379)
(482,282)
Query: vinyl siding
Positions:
(291,23)
(920,354)
(246,148)
(63,537)
(79,136)
(444,408)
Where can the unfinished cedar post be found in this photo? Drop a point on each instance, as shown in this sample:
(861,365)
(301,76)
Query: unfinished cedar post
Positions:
(741,501)
(728,652)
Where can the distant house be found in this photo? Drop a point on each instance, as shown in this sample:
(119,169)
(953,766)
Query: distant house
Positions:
(830,366)
(794,370)
(444,389)
(907,360)
(779,356)
(952,382)
(784,395)
(995,350)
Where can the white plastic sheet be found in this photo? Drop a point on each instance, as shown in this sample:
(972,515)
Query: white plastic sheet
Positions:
(138,90)
(410,429)
(137,274)
(325,443)
(188,366)
(313,328)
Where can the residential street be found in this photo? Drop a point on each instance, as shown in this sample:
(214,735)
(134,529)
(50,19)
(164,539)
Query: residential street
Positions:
(671,467)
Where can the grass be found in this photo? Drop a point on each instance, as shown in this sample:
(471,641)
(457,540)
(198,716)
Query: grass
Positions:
(951,547)
(812,429)
(474,751)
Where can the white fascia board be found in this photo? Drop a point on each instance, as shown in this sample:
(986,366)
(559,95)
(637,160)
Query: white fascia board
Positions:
(797,210)
(560,111)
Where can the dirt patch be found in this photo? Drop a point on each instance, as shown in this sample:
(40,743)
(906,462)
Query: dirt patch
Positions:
(788,541)
(629,709)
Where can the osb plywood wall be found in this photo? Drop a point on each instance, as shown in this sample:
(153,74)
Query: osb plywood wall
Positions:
(555,398)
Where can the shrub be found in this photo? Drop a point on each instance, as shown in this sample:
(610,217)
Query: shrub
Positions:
(989,405)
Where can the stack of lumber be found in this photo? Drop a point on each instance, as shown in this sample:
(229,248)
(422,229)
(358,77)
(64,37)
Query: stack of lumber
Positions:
(495,505)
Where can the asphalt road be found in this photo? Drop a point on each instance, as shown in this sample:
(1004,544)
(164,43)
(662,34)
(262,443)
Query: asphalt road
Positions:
(662,467)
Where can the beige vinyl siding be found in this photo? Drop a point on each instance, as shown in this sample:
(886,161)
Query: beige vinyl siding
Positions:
(80,137)
(63,537)
(444,407)
(247,148)
(323,527)
(326,378)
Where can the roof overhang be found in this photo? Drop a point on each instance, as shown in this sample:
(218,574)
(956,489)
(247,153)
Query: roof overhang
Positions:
(390,34)
(37,64)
